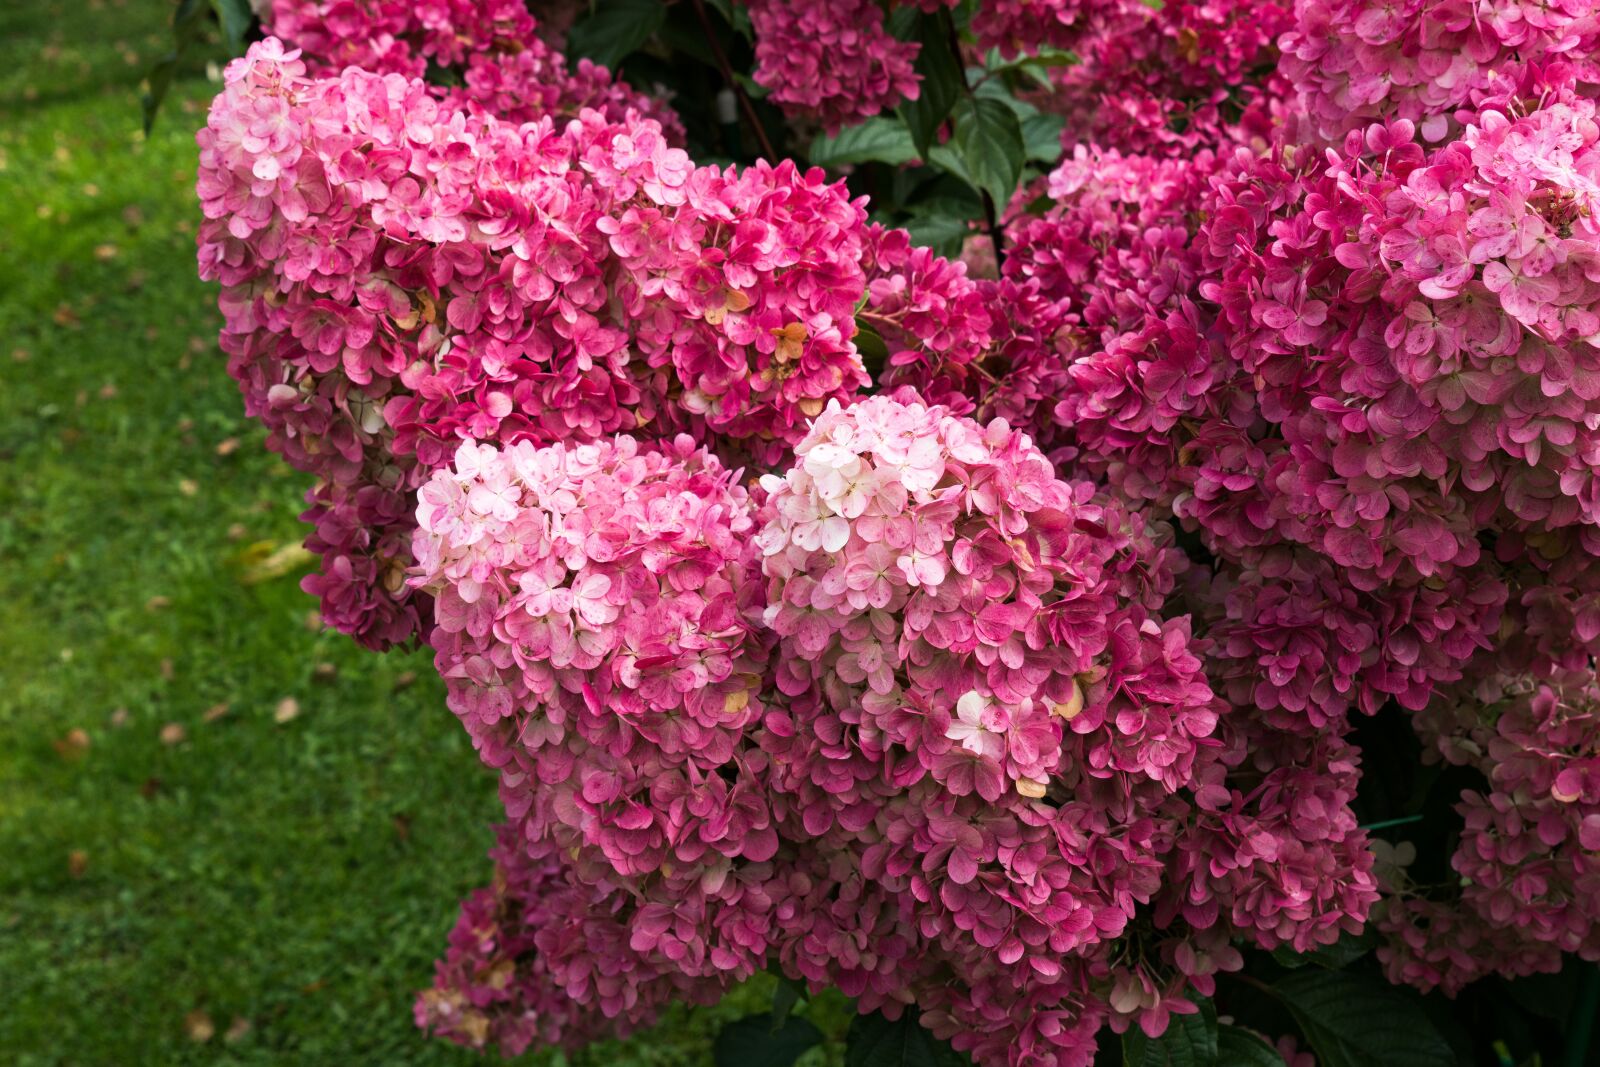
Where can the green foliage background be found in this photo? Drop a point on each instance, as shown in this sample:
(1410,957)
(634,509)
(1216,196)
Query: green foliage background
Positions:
(298,876)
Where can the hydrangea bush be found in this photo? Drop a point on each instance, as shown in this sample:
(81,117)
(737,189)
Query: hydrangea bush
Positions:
(1103,568)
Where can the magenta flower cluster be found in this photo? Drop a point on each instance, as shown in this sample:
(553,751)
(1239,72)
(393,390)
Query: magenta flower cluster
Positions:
(1014,682)
(835,62)
(398,276)
(494,48)
(934,683)
(1529,859)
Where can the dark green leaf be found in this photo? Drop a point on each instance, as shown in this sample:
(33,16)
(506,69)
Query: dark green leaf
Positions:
(1238,1047)
(1034,68)
(1353,1020)
(947,159)
(903,22)
(685,39)
(159,79)
(614,29)
(942,233)
(757,1041)
(1341,953)
(1043,59)
(1548,996)
(785,995)
(1188,1041)
(988,139)
(188,21)
(878,140)
(874,1041)
(1041,137)
(994,90)
(735,15)
(874,351)
(443,76)
(752,88)
(235,17)
(942,80)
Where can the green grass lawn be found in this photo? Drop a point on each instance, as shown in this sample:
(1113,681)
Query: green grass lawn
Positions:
(183,877)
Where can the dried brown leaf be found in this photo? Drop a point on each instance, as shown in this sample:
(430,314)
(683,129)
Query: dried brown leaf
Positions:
(199,1027)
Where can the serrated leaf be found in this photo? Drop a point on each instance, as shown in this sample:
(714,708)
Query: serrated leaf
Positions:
(614,29)
(1237,1047)
(1041,137)
(235,17)
(943,80)
(1188,1041)
(878,140)
(760,1041)
(988,138)
(1355,1021)
(874,1041)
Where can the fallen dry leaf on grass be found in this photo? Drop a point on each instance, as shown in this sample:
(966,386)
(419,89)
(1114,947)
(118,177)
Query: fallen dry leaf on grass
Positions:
(73,745)
(266,560)
(214,712)
(287,710)
(77,863)
(173,733)
(199,1027)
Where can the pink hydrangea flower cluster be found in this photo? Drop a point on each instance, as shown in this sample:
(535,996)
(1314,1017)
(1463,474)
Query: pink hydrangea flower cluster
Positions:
(835,63)
(399,275)
(1308,361)
(995,699)
(1003,665)
(1529,855)
(959,709)
(493,47)
(832,61)
(1357,61)
(1175,78)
